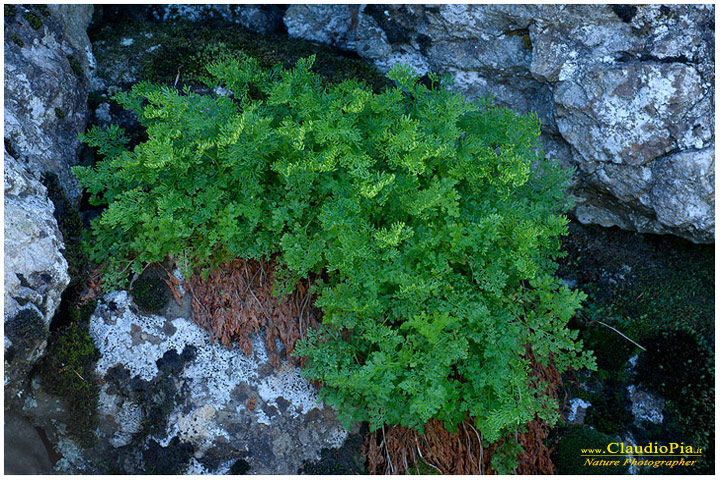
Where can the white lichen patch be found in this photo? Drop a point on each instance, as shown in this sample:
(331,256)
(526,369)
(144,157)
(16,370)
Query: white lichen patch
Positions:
(577,408)
(220,395)
(194,427)
(646,407)
(289,384)
(336,437)
(112,330)
(216,371)
(128,417)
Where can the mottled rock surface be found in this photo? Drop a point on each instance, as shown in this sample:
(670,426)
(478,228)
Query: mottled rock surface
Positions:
(47,63)
(173,402)
(645,406)
(624,93)
(263,19)
(36,273)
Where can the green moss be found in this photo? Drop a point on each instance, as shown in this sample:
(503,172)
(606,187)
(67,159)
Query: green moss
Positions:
(666,303)
(33,19)
(669,282)
(71,227)
(59,113)
(68,371)
(43,9)
(94,100)
(609,412)
(568,459)
(76,66)
(150,293)
(680,366)
(611,350)
(10,11)
(17,40)
(240,467)
(188,47)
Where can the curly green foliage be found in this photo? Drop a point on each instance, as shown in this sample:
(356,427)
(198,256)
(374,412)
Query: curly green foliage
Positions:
(435,220)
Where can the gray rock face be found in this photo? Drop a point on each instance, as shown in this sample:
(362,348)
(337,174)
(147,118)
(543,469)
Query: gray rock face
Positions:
(47,63)
(172,402)
(263,19)
(25,454)
(36,273)
(646,406)
(624,93)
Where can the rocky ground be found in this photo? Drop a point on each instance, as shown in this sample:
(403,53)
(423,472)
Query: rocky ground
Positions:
(119,383)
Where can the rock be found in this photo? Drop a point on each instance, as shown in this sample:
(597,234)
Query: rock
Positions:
(329,24)
(646,406)
(684,192)
(47,62)
(36,273)
(578,409)
(263,19)
(26,453)
(173,402)
(609,84)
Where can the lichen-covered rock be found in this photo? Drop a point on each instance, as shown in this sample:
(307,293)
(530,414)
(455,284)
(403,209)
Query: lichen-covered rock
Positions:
(624,93)
(47,62)
(645,406)
(36,272)
(263,19)
(174,402)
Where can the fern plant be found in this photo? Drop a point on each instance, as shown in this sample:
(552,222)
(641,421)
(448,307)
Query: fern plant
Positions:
(434,220)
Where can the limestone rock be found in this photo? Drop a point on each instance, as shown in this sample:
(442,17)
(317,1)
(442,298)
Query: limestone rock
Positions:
(263,19)
(624,92)
(36,272)
(47,63)
(646,406)
(25,454)
(169,392)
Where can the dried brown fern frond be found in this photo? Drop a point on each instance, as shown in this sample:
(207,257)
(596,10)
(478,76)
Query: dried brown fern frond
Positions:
(396,449)
(236,302)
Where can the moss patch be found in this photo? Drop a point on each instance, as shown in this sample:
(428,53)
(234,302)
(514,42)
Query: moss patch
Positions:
(59,113)
(76,66)
(71,227)
(659,291)
(187,47)
(33,19)
(240,467)
(682,369)
(150,292)
(17,40)
(610,412)
(568,459)
(68,371)
(10,11)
